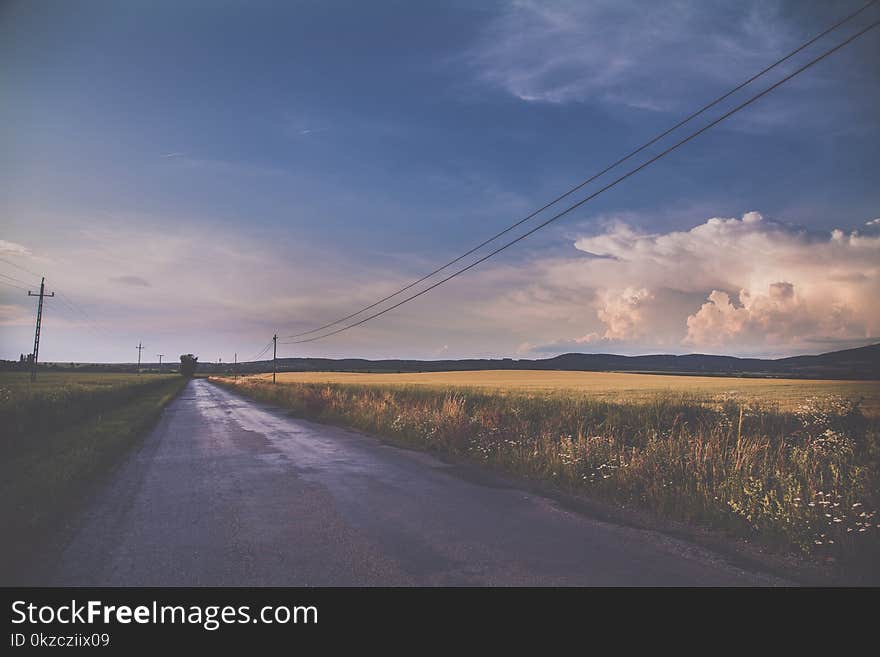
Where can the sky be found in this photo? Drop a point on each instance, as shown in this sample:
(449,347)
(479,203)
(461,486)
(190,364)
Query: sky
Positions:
(197,176)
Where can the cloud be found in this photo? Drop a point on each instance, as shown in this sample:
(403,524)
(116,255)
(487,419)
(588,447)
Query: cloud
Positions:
(621,312)
(873,222)
(670,57)
(778,315)
(241,285)
(643,55)
(745,286)
(136,281)
(765,282)
(740,285)
(13,315)
(13,248)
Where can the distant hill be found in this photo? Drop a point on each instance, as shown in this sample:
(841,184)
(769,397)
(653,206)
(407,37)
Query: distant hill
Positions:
(860,363)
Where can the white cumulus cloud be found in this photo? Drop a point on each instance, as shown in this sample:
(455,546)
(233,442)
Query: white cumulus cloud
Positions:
(765,282)
(738,285)
(621,312)
(778,315)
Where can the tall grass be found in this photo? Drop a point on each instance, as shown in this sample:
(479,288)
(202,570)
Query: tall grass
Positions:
(58,400)
(58,438)
(805,480)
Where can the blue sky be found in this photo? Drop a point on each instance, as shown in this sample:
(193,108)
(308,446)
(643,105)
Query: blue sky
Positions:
(197,175)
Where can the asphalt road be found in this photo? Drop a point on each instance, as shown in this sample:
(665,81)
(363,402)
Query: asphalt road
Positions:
(225,491)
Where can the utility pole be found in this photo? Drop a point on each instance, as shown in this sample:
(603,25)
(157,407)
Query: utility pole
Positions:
(160,362)
(140,348)
(274,355)
(235,366)
(42,295)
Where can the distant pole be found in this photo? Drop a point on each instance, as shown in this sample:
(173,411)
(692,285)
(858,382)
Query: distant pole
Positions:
(274,355)
(42,295)
(140,348)
(160,362)
(235,365)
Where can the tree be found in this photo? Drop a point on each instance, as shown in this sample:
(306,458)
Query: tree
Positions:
(188,364)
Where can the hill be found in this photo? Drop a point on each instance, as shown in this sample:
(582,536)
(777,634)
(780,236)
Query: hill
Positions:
(859,363)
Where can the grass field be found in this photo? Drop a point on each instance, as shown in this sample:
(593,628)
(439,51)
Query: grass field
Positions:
(610,386)
(60,433)
(790,465)
(20,382)
(60,399)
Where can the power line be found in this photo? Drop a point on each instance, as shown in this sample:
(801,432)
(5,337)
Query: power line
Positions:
(97,328)
(17,280)
(17,266)
(67,301)
(17,287)
(613,183)
(65,311)
(79,316)
(592,178)
(71,312)
(259,353)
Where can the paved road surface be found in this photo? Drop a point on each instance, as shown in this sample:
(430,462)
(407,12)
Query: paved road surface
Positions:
(225,491)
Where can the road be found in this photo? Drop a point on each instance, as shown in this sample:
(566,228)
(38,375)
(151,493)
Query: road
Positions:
(226,491)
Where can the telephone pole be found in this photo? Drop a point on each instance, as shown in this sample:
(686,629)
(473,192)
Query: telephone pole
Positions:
(160,362)
(140,348)
(235,366)
(274,355)
(42,295)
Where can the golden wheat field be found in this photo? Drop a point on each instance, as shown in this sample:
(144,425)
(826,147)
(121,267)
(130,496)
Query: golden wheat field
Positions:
(788,393)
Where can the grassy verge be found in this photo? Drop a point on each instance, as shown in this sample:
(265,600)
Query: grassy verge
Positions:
(45,471)
(802,481)
(58,400)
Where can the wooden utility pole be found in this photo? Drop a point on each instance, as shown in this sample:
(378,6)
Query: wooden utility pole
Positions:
(160,362)
(274,355)
(235,366)
(140,348)
(42,295)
